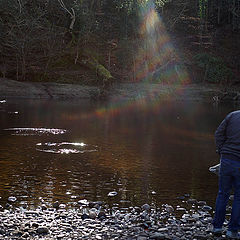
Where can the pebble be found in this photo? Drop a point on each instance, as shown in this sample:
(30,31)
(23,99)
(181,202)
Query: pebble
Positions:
(12,199)
(112,194)
(206,208)
(157,236)
(191,201)
(42,230)
(56,204)
(145,207)
(95,220)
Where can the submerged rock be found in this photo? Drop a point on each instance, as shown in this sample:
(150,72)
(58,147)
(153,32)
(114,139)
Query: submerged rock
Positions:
(12,199)
(112,194)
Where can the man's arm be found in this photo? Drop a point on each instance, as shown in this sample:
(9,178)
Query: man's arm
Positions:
(220,134)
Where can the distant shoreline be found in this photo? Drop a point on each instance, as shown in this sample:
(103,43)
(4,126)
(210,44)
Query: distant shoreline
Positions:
(195,92)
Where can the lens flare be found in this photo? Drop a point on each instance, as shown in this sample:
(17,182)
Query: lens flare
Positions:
(156,58)
(156,66)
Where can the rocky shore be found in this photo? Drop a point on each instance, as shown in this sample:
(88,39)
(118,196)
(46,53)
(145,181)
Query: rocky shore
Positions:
(48,90)
(191,219)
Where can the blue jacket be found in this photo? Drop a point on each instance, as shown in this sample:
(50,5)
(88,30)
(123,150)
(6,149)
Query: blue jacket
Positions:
(227,137)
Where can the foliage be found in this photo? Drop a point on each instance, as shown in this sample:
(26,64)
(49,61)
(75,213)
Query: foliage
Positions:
(215,69)
(34,34)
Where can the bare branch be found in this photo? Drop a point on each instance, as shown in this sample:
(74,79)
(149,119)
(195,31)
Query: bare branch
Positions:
(20,6)
(72,14)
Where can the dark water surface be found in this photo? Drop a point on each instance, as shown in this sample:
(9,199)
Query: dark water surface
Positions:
(146,153)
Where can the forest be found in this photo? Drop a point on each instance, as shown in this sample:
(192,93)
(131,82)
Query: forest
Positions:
(100,41)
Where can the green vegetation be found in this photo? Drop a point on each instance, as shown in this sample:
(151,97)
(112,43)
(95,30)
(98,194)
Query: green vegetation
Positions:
(215,70)
(91,41)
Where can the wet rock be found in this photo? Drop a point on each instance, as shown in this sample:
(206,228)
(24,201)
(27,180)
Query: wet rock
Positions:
(42,230)
(35,225)
(17,233)
(145,207)
(201,203)
(169,208)
(201,236)
(83,202)
(56,204)
(85,216)
(191,201)
(62,206)
(7,206)
(161,230)
(60,236)
(44,207)
(90,222)
(206,208)
(142,238)
(95,204)
(181,209)
(181,197)
(112,194)
(101,215)
(157,236)
(34,213)
(26,235)
(12,199)
(231,197)
(92,214)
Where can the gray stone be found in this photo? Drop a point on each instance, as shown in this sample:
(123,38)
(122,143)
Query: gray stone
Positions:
(42,230)
(26,235)
(35,225)
(101,215)
(162,230)
(142,238)
(112,194)
(201,203)
(201,236)
(169,208)
(157,236)
(56,204)
(191,201)
(145,207)
(206,208)
(44,207)
(12,199)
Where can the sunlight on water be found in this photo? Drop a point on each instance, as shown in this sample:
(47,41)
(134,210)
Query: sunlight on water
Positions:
(35,131)
(67,149)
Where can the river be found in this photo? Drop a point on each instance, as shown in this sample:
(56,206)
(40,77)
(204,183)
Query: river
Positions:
(138,152)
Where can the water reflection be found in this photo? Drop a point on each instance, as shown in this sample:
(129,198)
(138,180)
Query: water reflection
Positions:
(68,147)
(35,131)
(165,149)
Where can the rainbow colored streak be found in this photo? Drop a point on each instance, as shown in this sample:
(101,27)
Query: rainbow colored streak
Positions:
(156,58)
(156,61)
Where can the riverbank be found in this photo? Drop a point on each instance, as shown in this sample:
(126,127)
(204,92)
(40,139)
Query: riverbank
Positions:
(50,90)
(191,219)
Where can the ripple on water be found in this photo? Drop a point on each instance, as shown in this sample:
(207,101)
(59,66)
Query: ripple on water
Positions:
(35,131)
(65,147)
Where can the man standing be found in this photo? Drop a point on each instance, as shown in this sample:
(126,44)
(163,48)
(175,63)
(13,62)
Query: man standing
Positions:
(227,137)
